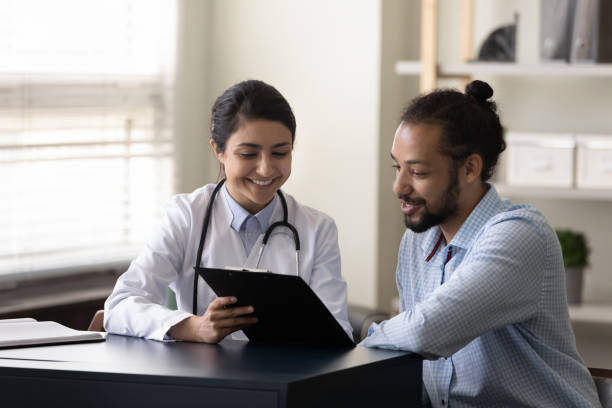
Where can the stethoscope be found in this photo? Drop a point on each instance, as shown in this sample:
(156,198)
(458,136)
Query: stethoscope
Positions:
(283,223)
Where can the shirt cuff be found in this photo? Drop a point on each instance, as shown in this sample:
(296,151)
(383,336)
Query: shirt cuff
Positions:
(161,334)
(377,338)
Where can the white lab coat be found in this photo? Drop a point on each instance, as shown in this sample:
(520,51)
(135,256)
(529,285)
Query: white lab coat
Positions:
(136,305)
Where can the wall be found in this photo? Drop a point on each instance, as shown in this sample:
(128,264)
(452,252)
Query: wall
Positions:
(325,58)
(334,61)
(399,41)
(195,163)
(563,104)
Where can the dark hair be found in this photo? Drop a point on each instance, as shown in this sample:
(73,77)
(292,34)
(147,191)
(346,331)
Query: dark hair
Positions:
(244,101)
(469,123)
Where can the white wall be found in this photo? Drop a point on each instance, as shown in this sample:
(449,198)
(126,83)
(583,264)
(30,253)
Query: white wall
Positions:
(400,41)
(195,164)
(567,104)
(324,56)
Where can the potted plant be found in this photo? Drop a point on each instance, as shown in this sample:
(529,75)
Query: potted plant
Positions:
(575,258)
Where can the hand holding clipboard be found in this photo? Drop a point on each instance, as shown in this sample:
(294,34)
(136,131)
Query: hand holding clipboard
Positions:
(287,309)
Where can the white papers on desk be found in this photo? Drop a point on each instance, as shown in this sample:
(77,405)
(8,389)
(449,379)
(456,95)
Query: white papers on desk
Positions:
(29,332)
(22,320)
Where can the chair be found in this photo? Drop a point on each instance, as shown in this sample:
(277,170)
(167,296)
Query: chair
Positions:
(97,322)
(603,381)
(361,318)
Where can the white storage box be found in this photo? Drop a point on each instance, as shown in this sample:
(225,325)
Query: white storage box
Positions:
(594,161)
(540,159)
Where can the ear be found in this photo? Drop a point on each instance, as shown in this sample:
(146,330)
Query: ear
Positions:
(218,154)
(473,167)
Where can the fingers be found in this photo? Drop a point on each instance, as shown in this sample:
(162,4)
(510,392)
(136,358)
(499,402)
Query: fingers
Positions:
(221,308)
(221,319)
(232,317)
(234,324)
(231,312)
(222,302)
(215,331)
(221,316)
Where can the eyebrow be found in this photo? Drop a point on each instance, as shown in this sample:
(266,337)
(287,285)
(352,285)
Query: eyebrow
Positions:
(256,146)
(409,161)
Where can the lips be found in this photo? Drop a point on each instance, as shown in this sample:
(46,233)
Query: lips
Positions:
(411,207)
(266,185)
(262,182)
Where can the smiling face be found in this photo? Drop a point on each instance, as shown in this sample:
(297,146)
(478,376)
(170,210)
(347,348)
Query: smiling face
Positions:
(257,162)
(426,181)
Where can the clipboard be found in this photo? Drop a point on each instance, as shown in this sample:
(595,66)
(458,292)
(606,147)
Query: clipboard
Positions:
(288,310)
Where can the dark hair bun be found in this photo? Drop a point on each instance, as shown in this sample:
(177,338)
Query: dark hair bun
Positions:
(480,90)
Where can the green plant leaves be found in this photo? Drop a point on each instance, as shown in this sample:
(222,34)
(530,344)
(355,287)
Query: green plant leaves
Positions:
(574,247)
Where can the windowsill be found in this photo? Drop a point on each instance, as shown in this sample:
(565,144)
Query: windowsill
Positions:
(53,292)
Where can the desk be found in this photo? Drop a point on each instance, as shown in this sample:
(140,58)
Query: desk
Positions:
(132,372)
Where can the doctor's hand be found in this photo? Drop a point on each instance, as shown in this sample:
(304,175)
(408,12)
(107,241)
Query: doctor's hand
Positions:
(215,324)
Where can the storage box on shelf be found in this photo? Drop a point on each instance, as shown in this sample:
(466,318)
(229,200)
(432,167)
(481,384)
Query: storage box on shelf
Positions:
(540,159)
(594,161)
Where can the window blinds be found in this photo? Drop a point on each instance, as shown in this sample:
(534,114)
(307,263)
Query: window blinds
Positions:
(86,149)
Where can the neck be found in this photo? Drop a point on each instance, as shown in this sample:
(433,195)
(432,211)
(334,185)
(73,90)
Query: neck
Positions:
(468,200)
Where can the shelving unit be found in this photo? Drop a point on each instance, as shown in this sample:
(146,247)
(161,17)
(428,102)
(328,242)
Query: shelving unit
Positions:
(506,69)
(596,313)
(429,70)
(551,192)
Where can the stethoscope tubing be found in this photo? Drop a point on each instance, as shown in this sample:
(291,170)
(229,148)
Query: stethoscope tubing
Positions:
(284,223)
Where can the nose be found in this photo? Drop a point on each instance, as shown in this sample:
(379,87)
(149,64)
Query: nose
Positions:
(401,184)
(264,166)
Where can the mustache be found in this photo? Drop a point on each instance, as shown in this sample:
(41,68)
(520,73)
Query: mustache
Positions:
(411,201)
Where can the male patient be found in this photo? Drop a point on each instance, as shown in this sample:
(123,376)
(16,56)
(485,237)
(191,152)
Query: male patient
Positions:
(481,281)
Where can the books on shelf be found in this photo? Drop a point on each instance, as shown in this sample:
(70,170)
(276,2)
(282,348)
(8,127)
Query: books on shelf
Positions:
(30,332)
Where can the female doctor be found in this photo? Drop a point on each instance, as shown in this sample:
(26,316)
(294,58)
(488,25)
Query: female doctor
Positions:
(253,130)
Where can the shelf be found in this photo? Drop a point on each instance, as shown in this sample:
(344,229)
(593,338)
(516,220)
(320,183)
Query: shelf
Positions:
(591,313)
(552,69)
(408,67)
(552,192)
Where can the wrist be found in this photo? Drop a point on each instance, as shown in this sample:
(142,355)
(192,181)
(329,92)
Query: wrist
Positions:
(183,330)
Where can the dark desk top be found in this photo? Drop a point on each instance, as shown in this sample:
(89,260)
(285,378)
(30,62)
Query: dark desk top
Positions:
(237,361)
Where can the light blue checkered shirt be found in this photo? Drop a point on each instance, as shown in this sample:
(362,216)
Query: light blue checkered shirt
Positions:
(249,226)
(493,320)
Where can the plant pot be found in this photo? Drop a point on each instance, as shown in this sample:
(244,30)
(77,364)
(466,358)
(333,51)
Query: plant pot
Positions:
(573,285)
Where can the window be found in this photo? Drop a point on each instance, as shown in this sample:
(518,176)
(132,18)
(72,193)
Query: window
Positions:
(86,149)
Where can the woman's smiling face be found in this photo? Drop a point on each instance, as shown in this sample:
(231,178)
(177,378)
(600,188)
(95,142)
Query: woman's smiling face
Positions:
(257,162)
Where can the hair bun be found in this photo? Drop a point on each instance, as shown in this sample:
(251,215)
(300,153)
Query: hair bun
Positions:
(480,90)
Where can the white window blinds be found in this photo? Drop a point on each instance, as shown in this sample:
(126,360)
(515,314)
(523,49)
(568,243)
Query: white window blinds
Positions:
(86,150)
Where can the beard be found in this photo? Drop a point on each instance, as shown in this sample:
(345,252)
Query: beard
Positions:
(428,219)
